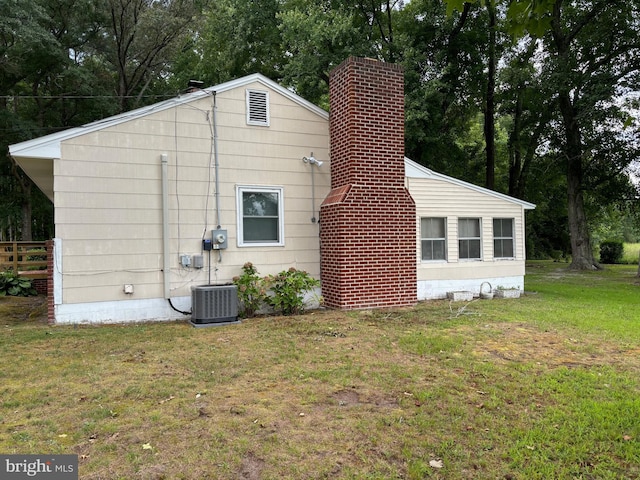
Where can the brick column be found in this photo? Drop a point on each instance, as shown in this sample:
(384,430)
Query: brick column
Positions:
(51,309)
(368,220)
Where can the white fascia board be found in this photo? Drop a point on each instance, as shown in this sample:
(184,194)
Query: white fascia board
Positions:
(48,146)
(415,170)
(30,149)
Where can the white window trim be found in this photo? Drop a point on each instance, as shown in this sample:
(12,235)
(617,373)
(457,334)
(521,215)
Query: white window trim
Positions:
(513,238)
(240,189)
(267,112)
(446,242)
(481,258)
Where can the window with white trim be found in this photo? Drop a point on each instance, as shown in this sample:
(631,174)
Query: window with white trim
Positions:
(260,216)
(503,238)
(258,107)
(469,239)
(433,238)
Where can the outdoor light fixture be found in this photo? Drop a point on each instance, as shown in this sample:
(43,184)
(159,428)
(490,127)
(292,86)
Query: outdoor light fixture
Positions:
(312,160)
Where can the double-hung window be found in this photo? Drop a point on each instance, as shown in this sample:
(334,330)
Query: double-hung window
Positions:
(469,239)
(260,216)
(503,238)
(433,238)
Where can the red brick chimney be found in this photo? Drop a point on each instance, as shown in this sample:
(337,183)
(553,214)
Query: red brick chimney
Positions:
(368,220)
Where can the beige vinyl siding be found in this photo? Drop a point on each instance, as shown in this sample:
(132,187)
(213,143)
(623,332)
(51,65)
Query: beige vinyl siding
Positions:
(109,201)
(439,198)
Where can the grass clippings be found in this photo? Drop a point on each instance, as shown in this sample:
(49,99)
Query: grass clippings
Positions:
(546,386)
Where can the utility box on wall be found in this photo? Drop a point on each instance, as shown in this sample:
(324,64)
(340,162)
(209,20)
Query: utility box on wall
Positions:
(219,239)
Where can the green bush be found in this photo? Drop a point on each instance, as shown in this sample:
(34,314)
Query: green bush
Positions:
(287,290)
(283,292)
(13,285)
(611,252)
(252,292)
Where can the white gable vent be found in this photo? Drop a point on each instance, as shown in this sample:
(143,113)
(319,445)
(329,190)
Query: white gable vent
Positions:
(257,107)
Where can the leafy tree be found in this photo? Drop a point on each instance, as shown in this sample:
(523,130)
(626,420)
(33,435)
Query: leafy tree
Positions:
(47,87)
(590,57)
(233,38)
(441,71)
(139,40)
(526,101)
(25,42)
(595,54)
(318,37)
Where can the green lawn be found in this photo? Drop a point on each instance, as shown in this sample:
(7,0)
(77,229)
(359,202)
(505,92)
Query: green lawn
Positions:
(543,387)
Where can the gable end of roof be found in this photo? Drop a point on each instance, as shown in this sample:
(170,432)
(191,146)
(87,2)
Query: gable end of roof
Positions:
(415,170)
(48,146)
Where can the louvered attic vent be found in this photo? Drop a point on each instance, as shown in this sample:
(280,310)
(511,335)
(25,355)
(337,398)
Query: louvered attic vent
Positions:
(257,108)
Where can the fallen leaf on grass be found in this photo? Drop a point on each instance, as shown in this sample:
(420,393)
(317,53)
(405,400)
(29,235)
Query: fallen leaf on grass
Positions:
(436,463)
(626,438)
(147,446)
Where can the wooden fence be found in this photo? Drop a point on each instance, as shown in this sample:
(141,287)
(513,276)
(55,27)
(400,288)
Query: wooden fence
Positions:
(28,259)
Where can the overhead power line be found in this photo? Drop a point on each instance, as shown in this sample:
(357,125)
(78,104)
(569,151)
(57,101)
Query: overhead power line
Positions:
(73,97)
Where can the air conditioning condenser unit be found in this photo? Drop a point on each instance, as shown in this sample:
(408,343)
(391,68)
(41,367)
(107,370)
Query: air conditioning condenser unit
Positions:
(214,304)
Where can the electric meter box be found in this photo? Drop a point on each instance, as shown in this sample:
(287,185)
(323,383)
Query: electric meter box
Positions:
(219,239)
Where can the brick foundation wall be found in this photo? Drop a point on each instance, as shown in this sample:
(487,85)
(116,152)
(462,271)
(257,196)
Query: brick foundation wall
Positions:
(40,284)
(368,220)
(51,312)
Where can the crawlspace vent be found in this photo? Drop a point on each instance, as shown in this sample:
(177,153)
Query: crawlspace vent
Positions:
(214,303)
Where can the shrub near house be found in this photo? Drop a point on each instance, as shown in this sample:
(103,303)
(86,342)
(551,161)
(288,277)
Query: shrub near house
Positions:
(14,285)
(283,292)
(611,252)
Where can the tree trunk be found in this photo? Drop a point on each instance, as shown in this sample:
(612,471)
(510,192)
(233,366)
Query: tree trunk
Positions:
(27,235)
(581,251)
(515,147)
(489,111)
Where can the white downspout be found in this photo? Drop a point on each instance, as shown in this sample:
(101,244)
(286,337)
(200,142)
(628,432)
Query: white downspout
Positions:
(217,163)
(166,269)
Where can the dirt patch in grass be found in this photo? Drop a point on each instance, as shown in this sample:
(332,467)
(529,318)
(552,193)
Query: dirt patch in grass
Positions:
(20,310)
(508,342)
(251,467)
